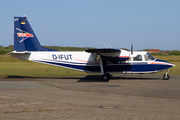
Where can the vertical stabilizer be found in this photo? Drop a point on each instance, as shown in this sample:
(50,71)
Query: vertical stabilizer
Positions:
(24,37)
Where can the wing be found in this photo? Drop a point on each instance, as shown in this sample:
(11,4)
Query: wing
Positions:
(113,55)
(106,52)
(99,51)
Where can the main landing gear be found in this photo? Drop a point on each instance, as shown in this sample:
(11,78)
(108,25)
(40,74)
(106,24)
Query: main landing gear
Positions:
(166,76)
(106,77)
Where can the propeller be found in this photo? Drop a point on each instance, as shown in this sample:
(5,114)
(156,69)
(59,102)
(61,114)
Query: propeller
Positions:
(131,54)
(131,48)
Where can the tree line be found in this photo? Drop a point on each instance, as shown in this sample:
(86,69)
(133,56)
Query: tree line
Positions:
(4,50)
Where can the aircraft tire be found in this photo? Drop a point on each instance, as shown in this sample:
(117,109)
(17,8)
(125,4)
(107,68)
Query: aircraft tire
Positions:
(166,77)
(106,77)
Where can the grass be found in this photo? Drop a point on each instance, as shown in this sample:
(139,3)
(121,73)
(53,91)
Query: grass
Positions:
(169,58)
(14,67)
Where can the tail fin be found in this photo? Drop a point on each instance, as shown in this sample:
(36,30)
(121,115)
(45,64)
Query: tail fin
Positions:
(24,37)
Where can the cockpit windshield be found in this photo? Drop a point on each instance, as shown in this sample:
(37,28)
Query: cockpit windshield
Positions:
(149,57)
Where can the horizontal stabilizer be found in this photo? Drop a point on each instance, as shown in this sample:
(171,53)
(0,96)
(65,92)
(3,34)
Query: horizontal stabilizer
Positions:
(15,52)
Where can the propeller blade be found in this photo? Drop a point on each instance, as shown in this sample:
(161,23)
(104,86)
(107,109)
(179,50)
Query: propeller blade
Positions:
(131,48)
(132,54)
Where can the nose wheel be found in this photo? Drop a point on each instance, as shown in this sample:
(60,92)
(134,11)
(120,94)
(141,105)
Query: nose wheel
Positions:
(166,76)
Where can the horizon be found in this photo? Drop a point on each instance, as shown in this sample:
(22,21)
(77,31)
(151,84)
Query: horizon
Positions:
(96,48)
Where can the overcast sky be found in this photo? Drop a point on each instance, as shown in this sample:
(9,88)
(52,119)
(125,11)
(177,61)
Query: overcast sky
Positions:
(149,24)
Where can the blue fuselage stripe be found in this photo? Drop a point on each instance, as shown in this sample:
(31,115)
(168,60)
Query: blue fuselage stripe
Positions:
(136,67)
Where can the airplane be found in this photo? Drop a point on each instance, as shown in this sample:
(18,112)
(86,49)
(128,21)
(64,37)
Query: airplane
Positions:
(104,60)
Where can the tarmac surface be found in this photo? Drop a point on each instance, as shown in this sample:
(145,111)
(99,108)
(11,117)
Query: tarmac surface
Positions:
(124,97)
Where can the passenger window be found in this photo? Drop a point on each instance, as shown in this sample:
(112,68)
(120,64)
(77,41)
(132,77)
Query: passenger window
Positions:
(138,58)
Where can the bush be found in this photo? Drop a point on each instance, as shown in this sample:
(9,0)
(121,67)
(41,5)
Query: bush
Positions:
(174,52)
(2,52)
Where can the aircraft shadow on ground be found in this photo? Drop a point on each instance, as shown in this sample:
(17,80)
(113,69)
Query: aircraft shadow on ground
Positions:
(29,77)
(98,78)
(88,78)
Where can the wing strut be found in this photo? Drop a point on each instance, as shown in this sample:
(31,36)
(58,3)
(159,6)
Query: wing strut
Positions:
(103,67)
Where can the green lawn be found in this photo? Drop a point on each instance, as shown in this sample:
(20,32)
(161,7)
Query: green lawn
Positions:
(12,66)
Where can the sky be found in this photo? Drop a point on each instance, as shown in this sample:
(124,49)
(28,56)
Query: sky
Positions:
(148,24)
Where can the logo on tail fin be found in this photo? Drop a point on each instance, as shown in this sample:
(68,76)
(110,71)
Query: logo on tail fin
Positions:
(23,34)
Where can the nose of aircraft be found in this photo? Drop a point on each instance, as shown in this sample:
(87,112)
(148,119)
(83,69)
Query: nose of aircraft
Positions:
(167,64)
(171,65)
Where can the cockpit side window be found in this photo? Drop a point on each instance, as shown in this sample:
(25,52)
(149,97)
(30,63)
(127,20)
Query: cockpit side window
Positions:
(138,58)
(149,57)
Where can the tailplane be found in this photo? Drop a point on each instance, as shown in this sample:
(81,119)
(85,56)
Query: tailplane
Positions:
(24,37)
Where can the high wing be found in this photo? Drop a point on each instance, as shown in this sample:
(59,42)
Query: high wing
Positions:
(113,55)
(107,50)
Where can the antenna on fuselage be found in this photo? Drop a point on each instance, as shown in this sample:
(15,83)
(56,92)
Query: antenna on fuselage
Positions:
(109,46)
(105,45)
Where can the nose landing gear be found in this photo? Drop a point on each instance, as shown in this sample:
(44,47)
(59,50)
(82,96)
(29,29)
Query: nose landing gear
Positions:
(166,76)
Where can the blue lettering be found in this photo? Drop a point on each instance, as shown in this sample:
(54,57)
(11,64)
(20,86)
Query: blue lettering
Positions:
(54,56)
(66,57)
(70,57)
(59,56)
(62,57)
